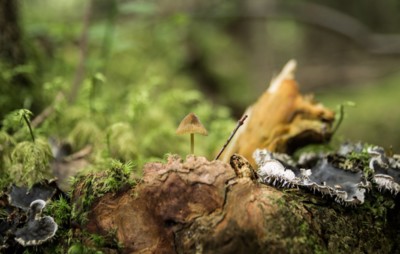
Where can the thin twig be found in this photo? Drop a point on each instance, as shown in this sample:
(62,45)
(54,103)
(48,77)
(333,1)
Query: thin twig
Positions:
(240,123)
(79,154)
(47,111)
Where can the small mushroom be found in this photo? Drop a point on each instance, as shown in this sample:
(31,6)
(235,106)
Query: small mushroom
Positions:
(191,125)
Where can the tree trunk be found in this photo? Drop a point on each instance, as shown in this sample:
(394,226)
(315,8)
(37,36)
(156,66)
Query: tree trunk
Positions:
(12,51)
(17,88)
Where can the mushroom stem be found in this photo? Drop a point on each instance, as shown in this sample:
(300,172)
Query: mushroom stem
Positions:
(192,143)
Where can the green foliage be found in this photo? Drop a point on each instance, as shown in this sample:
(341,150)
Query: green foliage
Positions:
(85,132)
(366,121)
(12,94)
(79,248)
(121,142)
(22,162)
(7,142)
(378,205)
(89,187)
(109,240)
(15,120)
(60,209)
(129,104)
(30,162)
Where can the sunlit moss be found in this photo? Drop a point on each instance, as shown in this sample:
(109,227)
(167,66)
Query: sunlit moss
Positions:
(122,142)
(91,186)
(85,132)
(30,162)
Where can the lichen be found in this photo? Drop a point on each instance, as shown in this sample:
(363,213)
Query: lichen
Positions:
(345,187)
(346,175)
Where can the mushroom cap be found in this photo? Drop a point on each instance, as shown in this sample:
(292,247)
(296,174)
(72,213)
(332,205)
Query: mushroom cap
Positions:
(191,124)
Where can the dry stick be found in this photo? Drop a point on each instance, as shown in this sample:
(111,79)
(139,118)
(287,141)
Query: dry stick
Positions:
(240,123)
(47,111)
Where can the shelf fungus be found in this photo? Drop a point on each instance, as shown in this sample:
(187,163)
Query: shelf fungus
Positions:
(22,197)
(38,228)
(386,170)
(24,222)
(346,175)
(344,186)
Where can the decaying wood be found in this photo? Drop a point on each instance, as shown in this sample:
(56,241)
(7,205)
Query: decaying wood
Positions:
(200,206)
(282,120)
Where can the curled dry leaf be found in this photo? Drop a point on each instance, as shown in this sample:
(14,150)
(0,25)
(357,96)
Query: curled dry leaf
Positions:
(282,120)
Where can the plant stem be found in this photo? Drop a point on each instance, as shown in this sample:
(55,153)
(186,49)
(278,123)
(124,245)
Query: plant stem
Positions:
(339,122)
(29,126)
(192,143)
(240,123)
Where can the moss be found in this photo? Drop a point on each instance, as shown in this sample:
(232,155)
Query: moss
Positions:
(293,232)
(71,214)
(84,133)
(30,162)
(121,142)
(317,225)
(89,187)
(78,248)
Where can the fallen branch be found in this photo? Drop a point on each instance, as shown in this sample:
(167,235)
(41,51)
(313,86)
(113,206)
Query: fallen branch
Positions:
(46,112)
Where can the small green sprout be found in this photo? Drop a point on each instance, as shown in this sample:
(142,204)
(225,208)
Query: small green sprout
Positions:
(25,115)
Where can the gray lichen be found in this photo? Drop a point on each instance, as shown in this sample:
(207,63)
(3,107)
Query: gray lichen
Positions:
(387,170)
(345,176)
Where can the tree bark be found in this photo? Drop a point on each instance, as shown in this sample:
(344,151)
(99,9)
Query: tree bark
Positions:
(200,206)
(11,46)
(17,85)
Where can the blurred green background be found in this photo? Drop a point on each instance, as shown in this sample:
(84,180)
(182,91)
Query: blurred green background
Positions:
(129,70)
